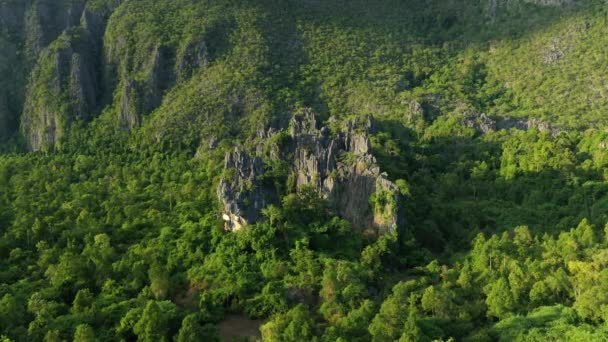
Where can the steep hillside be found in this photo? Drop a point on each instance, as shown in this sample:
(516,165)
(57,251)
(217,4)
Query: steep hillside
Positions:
(283,56)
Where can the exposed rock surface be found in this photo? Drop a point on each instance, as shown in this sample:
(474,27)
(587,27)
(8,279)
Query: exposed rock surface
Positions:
(141,97)
(82,86)
(339,167)
(12,75)
(4,115)
(484,124)
(12,15)
(130,106)
(10,94)
(193,56)
(552,2)
(427,108)
(241,191)
(416,112)
(553,54)
(47,19)
(66,71)
(480,122)
(59,45)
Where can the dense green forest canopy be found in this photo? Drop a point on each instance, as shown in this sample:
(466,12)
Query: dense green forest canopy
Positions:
(115,117)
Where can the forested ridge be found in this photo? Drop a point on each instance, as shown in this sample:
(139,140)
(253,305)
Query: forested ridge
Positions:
(481,127)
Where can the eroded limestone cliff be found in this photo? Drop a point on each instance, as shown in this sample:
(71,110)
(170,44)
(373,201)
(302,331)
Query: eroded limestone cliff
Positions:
(339,167)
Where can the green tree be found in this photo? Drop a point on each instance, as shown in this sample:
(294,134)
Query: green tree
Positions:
(353,326)
(296,324)
(11,312)
(388,324)
(101,253)
(83,300)
(437,301)
(84,333)
(499,299)
(411,330)
(159,281)
(53,336)
(305,268)
(192,331)
(152,326)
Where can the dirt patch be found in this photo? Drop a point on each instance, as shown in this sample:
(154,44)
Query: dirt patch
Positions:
(188,299)
(239,327)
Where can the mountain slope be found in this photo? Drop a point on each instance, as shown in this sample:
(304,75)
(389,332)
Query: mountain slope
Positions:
(382,57)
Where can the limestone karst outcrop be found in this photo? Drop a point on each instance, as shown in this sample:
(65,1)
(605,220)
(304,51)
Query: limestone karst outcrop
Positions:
(67,71)
(339,167)
(241,192)
(142,96)
(64,43)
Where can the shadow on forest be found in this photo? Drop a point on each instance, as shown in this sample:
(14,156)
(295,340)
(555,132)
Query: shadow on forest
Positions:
(455,26)
(446,204)
(450,203)
(427,22)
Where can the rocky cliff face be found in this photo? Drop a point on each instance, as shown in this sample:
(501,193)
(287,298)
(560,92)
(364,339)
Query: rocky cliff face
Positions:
(66,82)
(552,2)
(63,88)
(193,56)
(241,192)
(142,95)
(12,15)
(59,44)
(77,65)
(4,118)
(11,25)
(45,20)
(9,80)
(339,167)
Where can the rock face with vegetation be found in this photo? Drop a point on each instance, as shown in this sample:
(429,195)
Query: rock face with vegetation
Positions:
(241,192)
(141,96)
(485,124)
(60,45)
(338,166)
(64,88)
